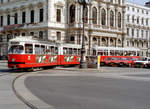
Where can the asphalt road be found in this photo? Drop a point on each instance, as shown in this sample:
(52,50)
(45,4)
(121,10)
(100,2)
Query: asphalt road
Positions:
(91,92)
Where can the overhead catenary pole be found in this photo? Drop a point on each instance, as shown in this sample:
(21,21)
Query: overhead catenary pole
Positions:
(83,63)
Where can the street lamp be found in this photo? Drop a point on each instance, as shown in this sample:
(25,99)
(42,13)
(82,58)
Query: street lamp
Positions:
(83,64)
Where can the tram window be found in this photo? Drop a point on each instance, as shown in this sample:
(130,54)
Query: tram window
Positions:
(42,49)
(79,51)
(29,48)
(70,50)
(16,49)
(75,51)
(37,49)
(52,49)
(64,50)
(56,50)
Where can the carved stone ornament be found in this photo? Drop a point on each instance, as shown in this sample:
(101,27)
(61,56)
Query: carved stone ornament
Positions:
(40,5)
(59,4)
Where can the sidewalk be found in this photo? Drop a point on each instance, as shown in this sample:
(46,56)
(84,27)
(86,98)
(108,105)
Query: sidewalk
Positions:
(8,99)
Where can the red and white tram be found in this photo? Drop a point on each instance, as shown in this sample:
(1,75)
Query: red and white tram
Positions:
(26,52)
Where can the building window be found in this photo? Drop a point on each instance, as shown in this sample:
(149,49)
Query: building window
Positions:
(137,33)
(142,33)
(1,21)
(133,9)
(147,22)
(8,19)
(137,20)
(147,35)
(94,15)
(119,20)
(132,44)
(119,2)
(128,31)
(23,34)
(142,11)
(142,21)
(128,18)
(72,38)
(72,13)
(1,1)
(103,15)
(41,35)
(41,15)
(132,19)
(58,36)
(58,14)
(132,32)
(16,19)
(32,33)
(23,17)
(32,16)
(86,15)
(111,18)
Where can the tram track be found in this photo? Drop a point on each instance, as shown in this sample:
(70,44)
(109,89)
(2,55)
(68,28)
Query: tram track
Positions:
(21,98)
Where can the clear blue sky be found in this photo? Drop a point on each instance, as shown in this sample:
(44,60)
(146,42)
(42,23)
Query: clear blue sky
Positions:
(140,2)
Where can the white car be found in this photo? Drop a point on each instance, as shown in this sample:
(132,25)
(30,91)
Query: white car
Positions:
(142,62)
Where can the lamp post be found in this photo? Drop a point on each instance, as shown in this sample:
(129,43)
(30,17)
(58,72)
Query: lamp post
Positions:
(83,64)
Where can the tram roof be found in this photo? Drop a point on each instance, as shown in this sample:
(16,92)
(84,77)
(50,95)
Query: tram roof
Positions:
(30,39)
(118,48)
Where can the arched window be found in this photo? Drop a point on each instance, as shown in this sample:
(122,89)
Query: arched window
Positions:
(119,2)
(111,18)
(103,16)
(72,13)
(86,15)
(137,20)
(94,40)
(94,15)
(119,20)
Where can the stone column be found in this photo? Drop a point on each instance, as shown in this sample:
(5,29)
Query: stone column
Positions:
(116,17)
(108,15)
(99,14)
(124,35)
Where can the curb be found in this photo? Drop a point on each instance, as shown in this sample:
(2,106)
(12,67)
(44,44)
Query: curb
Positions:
(82,70)
(27,95)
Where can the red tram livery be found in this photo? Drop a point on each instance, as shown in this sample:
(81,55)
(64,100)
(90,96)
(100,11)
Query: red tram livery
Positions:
(26,52)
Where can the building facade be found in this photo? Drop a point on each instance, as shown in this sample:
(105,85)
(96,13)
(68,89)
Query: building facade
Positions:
(138,27)
(61,21)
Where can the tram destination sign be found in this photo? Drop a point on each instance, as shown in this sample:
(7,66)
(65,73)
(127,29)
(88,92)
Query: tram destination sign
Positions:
(15,43)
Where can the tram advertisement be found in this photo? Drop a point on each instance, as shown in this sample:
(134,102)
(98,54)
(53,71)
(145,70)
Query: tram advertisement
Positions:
(53,59)
(40,58)
(68,58)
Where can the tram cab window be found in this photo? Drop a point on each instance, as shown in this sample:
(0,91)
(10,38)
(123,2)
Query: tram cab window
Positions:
(16,49)
(28,48)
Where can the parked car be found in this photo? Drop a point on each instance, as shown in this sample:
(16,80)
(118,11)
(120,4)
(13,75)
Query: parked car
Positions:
(142,62)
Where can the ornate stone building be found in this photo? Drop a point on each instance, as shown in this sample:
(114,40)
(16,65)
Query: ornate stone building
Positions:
(61,21)
(138,27)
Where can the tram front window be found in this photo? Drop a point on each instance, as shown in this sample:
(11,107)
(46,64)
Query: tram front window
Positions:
(28,48)
(16,49)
